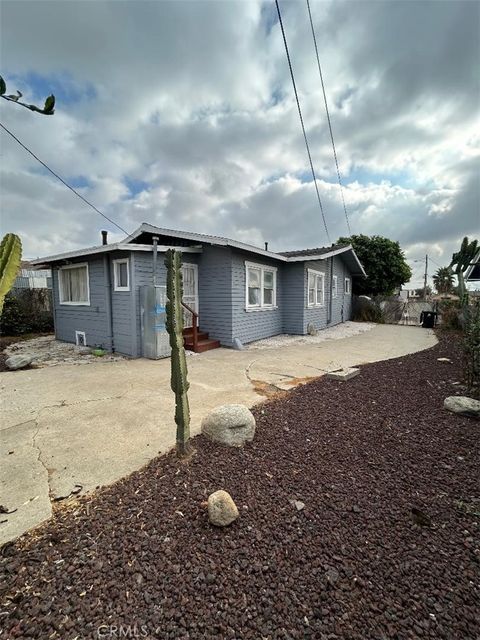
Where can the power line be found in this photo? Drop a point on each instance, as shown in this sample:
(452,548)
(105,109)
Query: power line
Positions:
(434,262)
(301,120)
(61,179)
(328,119)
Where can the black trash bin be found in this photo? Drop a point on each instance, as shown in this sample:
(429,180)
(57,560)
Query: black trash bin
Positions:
(428,319)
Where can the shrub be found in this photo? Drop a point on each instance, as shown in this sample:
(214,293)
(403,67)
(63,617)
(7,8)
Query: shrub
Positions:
(451,315)
(27,311)
(365,310)
(472,347)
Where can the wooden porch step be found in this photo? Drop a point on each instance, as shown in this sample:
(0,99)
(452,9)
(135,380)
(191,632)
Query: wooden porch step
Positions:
(188,335)
(202,345)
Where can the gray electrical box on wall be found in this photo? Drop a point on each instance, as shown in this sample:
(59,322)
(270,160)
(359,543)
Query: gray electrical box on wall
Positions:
(155,339)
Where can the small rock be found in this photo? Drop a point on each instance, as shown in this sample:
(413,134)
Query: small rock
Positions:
(298,504)
(222,510)
(332,576)
(83,351)
(230,424)
(463,406)
(311,329)
(356,508)
(19,362)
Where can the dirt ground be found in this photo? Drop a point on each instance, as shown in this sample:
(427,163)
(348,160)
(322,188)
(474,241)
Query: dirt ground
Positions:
(386,546)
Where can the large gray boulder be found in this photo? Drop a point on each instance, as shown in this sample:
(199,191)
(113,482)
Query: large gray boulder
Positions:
(463,406)
(19,362)
(230,424)
(222,510)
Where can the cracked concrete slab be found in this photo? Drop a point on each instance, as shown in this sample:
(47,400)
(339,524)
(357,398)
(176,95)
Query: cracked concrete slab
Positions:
(23,481)
(92,425)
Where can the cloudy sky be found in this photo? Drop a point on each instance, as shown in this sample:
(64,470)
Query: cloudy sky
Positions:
(182,114)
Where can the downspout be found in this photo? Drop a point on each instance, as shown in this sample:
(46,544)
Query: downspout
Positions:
(329,313)
(108,300)
(155,243)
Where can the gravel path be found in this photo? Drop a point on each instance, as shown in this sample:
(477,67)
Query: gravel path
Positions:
(49,352)
(351,565)
(343,330)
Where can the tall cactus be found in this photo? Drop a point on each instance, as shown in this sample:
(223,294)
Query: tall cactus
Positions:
(174,324)
(460,262)
(10,257)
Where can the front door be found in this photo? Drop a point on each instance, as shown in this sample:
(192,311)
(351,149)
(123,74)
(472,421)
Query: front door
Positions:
(190,291)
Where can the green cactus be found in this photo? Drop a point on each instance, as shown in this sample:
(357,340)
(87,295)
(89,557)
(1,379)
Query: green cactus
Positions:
(174,324)
(10,257)
(460,262)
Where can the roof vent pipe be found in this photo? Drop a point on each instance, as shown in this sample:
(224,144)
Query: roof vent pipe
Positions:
(104,237)
(155,243)
(266,246)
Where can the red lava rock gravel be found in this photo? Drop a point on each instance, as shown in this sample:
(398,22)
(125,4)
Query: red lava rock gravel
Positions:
(140,556)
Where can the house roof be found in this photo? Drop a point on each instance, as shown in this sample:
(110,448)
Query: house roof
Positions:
(149,230)
(106,248)
(312,252)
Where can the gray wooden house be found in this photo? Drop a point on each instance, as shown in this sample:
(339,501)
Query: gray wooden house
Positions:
(235,293)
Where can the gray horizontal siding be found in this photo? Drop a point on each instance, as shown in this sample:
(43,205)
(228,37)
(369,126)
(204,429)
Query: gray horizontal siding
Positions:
(293,297)
(316,316)
(122,309)
(215,293)
(221,288)
(91,319)
(253,325)
(341,305)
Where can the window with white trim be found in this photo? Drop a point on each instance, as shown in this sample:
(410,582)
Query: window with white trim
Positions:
(73,285)
(316,288)
(347,286)
(334,287)
(261,286)
(121,275)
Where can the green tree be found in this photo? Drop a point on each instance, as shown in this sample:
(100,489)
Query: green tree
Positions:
(384,262)
(443,280)
(460,263)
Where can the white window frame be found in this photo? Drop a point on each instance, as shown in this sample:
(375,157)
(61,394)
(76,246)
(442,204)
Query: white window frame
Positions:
(335,287)
(77,265)
(316,303)
(262,268)
(348,287)
(116,286)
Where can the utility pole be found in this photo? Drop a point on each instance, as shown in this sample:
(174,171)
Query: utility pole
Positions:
(425,278)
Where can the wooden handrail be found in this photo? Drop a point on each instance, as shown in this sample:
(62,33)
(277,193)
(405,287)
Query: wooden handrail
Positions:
(194,324)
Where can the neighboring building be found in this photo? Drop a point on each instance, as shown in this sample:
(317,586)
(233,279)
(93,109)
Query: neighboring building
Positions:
(29,278)
(240,292)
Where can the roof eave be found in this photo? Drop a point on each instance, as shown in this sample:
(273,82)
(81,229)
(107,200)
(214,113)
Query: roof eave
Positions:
(330,254)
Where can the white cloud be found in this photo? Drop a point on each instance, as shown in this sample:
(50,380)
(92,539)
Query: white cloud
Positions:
(192,101)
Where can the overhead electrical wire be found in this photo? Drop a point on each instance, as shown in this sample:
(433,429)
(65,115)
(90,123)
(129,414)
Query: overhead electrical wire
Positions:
(328,119)
(301,120)
(62,180)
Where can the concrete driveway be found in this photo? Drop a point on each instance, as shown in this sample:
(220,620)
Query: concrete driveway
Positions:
(70,427)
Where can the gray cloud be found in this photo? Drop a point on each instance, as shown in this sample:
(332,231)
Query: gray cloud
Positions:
(193,101)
